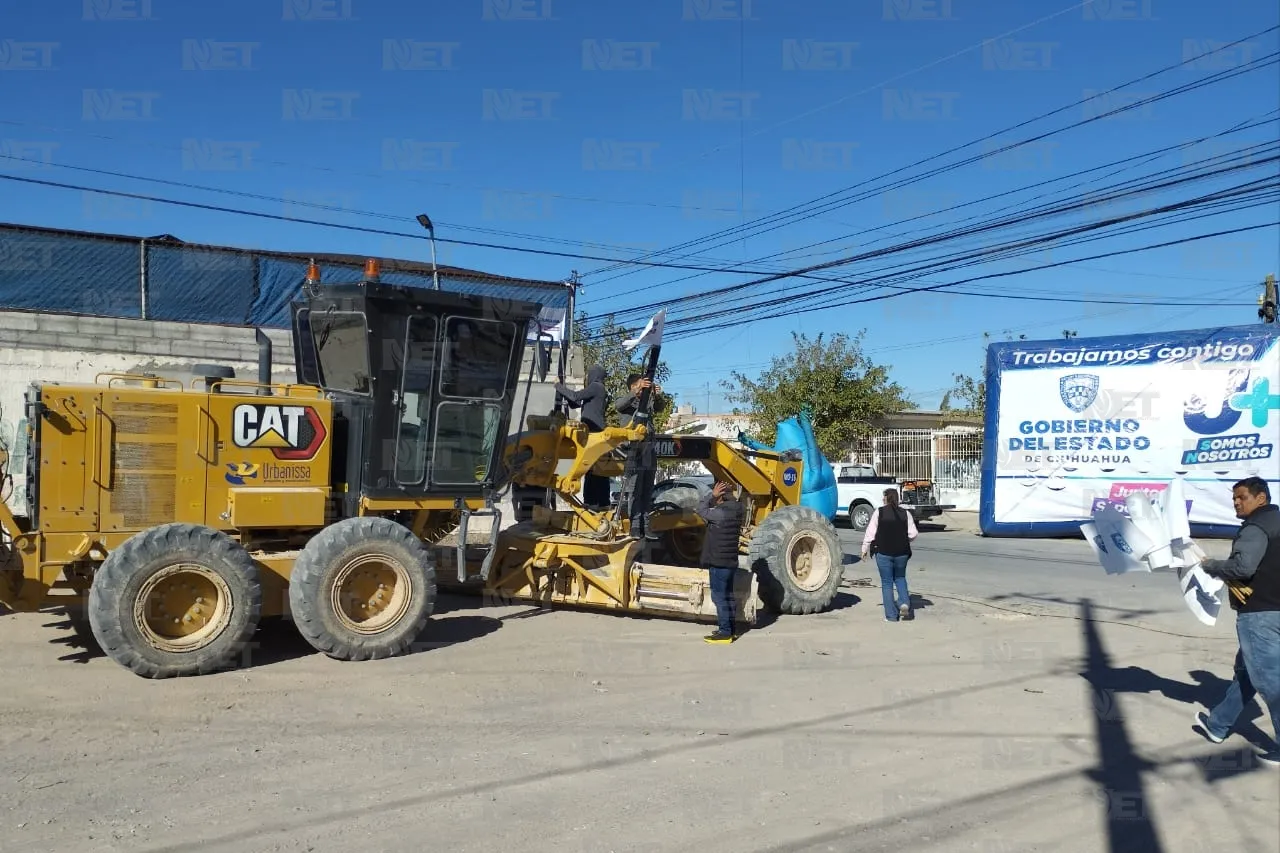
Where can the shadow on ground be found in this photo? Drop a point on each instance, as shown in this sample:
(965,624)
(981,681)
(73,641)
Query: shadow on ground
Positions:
(278,641)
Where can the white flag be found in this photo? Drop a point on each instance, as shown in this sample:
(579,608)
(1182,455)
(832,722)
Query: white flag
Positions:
(652,334)
(1175,512)
(1116,542)
(1200,592)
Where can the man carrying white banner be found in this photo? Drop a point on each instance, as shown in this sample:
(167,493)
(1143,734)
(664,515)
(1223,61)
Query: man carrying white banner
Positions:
(1252,575)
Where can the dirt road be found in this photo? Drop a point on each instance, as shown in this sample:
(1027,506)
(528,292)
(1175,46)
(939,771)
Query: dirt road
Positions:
(971,728)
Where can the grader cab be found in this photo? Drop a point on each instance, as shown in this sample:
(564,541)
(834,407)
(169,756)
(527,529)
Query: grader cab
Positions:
(169,518)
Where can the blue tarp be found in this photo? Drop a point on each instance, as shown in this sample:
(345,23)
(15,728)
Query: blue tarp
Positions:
(106,276)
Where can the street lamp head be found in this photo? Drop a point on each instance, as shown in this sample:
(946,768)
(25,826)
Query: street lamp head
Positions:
(425,222)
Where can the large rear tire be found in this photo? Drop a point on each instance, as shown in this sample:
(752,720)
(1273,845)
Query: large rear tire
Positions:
(796,555)
(363,589)
(175,600)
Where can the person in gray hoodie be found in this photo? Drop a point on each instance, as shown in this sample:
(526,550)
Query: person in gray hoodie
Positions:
(591,399)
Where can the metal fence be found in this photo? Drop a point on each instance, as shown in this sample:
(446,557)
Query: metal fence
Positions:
(951,458)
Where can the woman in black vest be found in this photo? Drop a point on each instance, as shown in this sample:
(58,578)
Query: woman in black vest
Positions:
(889,537)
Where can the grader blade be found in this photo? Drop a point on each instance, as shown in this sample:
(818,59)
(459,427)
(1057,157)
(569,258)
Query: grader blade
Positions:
(531,565)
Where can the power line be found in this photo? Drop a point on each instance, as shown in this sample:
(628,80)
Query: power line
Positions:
(1005,222)
(360,228)
(822,201)
(710,295)
(691,333)
(907,181)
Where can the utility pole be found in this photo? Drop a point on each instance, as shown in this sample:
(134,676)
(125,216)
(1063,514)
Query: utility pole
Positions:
(1267,311)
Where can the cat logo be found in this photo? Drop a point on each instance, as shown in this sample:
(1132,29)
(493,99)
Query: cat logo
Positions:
(289,432)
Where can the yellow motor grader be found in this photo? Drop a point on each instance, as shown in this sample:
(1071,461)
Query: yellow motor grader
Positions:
(791,557)
(169,518)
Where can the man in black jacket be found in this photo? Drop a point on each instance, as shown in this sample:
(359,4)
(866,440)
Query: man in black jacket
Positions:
(1252,575)
(591,399)
(723,515)
(642,462)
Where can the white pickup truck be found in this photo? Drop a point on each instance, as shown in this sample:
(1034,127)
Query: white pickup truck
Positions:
(860,490)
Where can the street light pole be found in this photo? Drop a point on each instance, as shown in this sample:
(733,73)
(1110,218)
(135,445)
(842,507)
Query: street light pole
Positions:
(425,222)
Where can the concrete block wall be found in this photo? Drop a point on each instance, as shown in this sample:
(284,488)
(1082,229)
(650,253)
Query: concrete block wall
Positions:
(74,349)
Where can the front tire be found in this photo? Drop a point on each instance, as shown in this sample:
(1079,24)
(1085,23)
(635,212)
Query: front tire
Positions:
(175,600)
(796,555)
(363,589)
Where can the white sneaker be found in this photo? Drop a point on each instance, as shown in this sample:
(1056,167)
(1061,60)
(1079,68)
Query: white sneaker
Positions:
(1202,720)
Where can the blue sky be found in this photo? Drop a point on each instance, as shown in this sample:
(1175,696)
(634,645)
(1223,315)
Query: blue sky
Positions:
(636,126)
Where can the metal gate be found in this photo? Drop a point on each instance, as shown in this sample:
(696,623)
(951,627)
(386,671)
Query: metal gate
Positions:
(951,458)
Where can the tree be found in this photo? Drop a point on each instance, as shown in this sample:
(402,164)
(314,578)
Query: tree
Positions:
(603,347)
(971,390)
(844,391)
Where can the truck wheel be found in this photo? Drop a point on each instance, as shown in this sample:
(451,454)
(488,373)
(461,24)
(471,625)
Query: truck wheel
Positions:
(175,600)
(797,557)
(860,515)
(684,544)
(363,589)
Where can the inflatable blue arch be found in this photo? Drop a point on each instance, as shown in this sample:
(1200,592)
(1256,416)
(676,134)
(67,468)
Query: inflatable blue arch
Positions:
(818,483)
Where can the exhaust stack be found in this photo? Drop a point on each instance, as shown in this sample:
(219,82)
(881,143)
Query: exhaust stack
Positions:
(264,361)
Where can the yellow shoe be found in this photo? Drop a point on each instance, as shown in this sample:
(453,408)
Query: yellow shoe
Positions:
(720,638)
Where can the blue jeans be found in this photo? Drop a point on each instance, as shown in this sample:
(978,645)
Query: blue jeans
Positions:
(722,596)
(1257,671)
(893,573)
